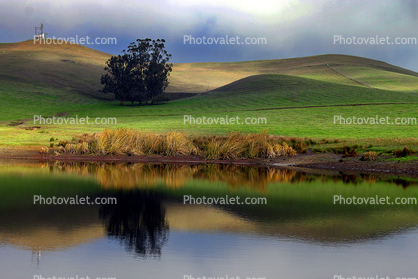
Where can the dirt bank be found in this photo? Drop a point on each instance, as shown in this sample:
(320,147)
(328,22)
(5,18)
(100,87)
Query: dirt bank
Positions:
(320,161)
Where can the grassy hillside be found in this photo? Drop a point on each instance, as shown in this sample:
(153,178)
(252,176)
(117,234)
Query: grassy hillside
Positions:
(78,68)
(63,66)
(298,97)
(45,79)
(340,69)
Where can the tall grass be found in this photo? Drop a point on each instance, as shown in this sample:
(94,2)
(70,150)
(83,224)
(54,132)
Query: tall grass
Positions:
(132,142)
(238,145)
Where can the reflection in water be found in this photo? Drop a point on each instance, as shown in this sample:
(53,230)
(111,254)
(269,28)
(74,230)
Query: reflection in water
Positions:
(176,175)
(300,231)
(300,205)
(138,221)
(136,175)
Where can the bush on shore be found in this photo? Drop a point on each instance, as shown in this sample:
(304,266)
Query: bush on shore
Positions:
(132,142)
(369,156)
(403,153)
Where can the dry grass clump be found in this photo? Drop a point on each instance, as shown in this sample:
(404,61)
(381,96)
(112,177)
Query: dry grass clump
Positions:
(402,153)
(131,142)
(301,147)
(176,143)
(347,151)
(369,156)
(117,141)
(238,145)
(44,151)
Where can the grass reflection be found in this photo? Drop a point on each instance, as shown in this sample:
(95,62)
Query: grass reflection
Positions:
(138,175)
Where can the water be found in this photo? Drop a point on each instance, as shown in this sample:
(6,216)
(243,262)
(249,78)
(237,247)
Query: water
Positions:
(151,233)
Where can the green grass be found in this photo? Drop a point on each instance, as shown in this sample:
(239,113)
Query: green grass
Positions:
(292,106)
(298,97)
(403,159)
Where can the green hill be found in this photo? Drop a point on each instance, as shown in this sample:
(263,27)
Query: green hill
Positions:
(298,96)
(65,67)
(78,68)
(340,69)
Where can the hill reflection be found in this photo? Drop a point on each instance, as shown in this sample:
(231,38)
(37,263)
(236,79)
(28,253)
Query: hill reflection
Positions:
(300,205)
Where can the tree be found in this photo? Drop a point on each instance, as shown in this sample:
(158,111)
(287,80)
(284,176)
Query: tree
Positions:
(140,74)
(119,79)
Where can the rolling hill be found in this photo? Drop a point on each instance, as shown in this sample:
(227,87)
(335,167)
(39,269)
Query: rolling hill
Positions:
(78,68)
(299,96)
(64,67)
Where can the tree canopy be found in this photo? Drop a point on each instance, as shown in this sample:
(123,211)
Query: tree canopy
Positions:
(140,74)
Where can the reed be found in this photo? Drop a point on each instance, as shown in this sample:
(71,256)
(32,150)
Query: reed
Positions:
(132,142)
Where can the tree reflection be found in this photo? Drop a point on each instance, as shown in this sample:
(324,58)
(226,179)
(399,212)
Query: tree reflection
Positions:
(138,221)
(140,176)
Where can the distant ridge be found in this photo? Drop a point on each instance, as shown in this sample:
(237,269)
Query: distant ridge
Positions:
(76,68)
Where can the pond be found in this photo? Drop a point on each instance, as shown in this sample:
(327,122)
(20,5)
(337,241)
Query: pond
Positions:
(203,221)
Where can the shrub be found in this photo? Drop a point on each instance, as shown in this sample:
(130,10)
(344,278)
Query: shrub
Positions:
(310,141)
(301,147)
(63,143)
(369,156)
(70,148)
(212,150)
(353,153)
(349,151)
(176,143)
(131,142)
(44,151)
(403,153)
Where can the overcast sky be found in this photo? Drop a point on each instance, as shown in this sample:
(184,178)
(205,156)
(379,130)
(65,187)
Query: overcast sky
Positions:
(290,28)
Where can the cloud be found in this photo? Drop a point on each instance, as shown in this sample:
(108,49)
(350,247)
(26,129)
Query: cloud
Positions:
(292,28)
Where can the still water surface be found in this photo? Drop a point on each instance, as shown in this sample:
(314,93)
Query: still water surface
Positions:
(151,233)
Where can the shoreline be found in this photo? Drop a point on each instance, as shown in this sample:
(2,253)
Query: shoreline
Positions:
(324,162)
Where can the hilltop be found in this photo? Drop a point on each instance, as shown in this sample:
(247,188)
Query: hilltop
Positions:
(298,96)
(78,68)
(339,69)
(65,67)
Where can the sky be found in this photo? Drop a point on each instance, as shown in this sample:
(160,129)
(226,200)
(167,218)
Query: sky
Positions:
(280,28)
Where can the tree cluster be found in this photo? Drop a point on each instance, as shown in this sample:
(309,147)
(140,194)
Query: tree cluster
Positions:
(140,74)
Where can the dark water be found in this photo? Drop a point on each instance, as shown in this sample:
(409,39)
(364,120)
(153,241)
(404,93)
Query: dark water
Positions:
(150,233)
